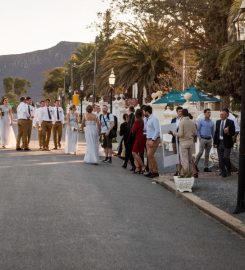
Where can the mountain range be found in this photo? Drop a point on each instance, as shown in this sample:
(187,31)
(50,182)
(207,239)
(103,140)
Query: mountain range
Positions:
(33,65)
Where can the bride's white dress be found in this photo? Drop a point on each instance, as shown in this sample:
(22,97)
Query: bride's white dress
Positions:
(7,136)
(92,142)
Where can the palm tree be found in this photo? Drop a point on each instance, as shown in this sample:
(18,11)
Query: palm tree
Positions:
(84,59)
(140,54)
(231,51)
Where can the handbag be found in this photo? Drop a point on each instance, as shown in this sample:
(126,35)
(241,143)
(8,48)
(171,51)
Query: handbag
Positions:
(113,134)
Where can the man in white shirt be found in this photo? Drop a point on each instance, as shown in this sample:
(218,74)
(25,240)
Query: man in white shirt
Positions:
(107,124)
(46,124)
(37,123)
(96,110)
(22,116)
(58,122)
(152,141)
(31,112)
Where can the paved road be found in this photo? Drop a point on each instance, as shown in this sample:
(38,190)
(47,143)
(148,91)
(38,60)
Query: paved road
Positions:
(57,213)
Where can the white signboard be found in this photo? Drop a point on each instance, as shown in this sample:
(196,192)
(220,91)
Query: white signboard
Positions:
(169,158)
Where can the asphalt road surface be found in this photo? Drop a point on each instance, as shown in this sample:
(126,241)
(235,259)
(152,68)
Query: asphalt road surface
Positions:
(57,213)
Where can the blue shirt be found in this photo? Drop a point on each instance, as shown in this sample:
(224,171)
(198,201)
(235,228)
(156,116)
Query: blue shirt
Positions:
(152,128)
(205,128)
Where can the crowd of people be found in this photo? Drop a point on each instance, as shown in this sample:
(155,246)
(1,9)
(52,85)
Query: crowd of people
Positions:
(221,135)
(139,135)
(46,120)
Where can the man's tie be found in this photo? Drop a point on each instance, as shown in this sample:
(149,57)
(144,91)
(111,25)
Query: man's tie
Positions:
(29,110)
(58,115)
(222,129)
(49,115)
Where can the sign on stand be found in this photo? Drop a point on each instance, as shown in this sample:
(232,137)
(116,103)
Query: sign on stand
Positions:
(169,158)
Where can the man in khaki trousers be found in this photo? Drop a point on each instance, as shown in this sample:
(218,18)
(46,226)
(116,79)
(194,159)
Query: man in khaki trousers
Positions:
(31,112)
(46,124)
(153,140)
(187,134)
(22,115)
(58,122)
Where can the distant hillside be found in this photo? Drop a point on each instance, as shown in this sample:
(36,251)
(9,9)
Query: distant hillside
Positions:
(33,65)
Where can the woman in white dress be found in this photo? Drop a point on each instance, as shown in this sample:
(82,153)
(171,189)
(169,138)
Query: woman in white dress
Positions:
(71,137)
(7,136)
(91,126)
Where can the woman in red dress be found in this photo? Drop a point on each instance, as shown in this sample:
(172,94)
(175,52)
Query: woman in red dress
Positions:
(139,142)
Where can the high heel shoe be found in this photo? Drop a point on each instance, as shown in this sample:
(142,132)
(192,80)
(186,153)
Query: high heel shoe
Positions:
(124,165)
(137,170)
(143,171)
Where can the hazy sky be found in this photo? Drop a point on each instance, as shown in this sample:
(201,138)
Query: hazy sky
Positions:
(27,25)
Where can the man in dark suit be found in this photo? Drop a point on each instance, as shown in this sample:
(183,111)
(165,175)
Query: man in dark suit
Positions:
(223,140)
(129,139)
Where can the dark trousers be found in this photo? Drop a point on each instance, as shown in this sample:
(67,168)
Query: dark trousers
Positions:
(224,158)
(128,154)
(120,147)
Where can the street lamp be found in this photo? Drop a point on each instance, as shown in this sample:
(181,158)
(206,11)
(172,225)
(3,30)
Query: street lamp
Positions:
(64,90)
(240,27)
(65,73)
(81,98)
(73,65)
(95,68)
(112,79)
(63,99)
(70,91)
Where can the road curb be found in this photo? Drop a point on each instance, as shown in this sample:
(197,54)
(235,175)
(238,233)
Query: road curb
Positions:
(220,215)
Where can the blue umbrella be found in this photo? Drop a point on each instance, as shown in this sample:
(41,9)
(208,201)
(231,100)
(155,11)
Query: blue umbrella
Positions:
(173,97)
(177,97)
(199,96)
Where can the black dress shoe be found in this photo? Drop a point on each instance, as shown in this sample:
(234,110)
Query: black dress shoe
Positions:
(155,175)
(224,174)
(149,175)
(27,149)
(55,148)
(19,149)
(207,170)
(124,166)
(106,160)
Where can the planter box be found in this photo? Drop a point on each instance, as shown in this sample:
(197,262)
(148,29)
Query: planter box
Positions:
(184,184)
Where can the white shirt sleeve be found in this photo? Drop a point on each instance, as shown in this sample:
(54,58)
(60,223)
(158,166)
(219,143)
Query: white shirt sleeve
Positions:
(233,118)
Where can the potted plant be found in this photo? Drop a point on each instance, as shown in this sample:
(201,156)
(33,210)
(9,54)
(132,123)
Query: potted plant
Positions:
(184,182)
